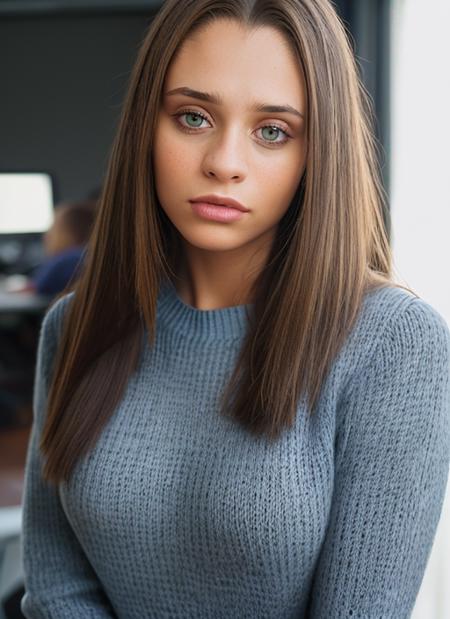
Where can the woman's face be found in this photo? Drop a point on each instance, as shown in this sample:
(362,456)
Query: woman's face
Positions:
(229,147)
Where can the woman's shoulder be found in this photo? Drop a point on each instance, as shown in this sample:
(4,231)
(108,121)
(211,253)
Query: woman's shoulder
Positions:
(394,308)
(393,318)
(53,318)
(49,334)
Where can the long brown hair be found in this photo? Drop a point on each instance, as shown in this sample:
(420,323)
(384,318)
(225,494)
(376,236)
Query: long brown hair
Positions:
(330,249)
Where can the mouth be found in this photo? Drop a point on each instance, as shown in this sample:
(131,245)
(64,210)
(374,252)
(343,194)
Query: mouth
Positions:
(221,201)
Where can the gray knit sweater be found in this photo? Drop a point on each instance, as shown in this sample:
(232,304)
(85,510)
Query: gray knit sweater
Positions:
(178,512)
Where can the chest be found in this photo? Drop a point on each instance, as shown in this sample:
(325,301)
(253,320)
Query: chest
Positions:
(172,484)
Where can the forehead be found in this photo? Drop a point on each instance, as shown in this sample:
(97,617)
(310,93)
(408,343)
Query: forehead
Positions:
(240,64)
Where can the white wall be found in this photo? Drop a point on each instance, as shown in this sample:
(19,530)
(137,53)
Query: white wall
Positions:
(420,199)
(420,203)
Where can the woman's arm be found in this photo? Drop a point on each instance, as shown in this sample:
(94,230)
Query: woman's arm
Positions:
(392,464)
(59,580)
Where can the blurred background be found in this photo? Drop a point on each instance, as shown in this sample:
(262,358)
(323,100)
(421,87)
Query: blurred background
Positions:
(64,68)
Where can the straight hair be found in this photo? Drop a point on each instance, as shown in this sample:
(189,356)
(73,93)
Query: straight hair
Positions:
(330,249)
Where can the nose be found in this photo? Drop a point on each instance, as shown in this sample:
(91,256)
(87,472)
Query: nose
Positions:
(225,157)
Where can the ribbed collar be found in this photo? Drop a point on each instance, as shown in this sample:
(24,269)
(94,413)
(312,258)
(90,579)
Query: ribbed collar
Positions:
(214,324)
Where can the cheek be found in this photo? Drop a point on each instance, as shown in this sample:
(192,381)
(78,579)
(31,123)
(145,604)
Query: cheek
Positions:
(278,181)
(172,156)
(171,161)
(173,170)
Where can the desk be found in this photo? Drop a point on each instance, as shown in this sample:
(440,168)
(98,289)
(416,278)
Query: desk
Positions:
(12,302)
(22,303)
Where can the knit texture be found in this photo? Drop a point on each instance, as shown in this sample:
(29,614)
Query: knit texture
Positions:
(179,512)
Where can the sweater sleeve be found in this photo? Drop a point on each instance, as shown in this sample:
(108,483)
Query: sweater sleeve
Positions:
(59,582)
(391,468)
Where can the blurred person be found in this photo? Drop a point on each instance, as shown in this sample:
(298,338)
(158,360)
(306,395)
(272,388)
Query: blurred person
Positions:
(64,245)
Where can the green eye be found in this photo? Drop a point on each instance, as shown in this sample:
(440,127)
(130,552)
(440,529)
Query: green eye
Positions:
(272,133)
(197,119)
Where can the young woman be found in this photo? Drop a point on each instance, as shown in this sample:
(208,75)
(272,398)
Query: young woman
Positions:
(238,413)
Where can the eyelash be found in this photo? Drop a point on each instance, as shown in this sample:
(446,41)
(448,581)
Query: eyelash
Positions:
(196,113)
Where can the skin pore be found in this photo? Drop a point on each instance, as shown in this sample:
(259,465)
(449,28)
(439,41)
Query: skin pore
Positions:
(256,157)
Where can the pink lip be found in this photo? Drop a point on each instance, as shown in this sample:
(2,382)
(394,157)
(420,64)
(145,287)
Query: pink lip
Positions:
(216,212)
(220,201)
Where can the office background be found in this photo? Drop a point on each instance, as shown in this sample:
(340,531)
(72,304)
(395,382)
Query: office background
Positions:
(64,67)
(64,71)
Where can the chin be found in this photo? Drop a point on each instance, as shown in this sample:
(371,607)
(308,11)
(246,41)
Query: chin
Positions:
(213,240)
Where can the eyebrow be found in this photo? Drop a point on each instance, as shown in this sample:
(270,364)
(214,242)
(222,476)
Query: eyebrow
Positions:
(212,98)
